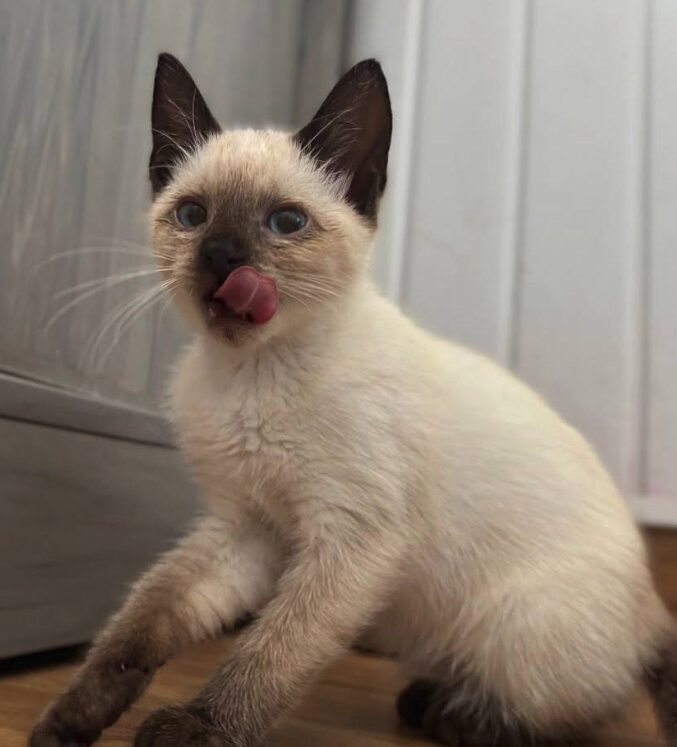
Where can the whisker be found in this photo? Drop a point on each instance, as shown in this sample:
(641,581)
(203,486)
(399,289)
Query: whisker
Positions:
(83,297)
(86,250)
(134,314)
(123,325)
(124,242)
(312,290)
(314,282)
(294,297)
(309,278)
(108,281)
(164,308)
(113,318)
(123,245)
(144,249)
(109,320)
(126,320)
(317,284)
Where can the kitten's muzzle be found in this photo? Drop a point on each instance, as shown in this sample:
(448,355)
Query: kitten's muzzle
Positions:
(247,296)
(237,293)
(220,256)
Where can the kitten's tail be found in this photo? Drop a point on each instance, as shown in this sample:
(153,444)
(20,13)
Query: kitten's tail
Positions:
(661,681)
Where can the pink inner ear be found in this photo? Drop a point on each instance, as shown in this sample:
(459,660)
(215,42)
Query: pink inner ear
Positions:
(249,292)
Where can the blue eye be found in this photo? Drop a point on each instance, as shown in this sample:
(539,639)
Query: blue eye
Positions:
(191,214)
(286,220)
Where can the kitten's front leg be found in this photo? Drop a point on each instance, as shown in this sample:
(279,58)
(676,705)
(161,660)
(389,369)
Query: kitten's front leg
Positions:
(339,580)
(217,573)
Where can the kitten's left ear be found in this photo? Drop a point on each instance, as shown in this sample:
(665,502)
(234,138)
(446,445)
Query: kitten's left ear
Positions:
(181,119)
(350,134)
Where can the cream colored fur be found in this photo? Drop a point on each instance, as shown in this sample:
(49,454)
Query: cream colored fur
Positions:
(371,482)
(466,525)
(479,528)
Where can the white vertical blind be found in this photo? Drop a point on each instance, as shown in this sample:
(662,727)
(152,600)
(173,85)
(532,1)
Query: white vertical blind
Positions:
(538,218)
(661,205)
(581,274)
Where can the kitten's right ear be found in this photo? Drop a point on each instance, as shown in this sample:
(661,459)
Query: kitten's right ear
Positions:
(350,135)
(181,119)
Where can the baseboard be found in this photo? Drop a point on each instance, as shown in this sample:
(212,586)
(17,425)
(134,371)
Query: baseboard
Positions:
(654,510)
(81,517)
(37,402)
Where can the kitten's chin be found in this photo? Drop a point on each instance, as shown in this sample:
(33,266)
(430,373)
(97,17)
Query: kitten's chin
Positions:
(238,332)
(233,332)
(220,327)
(217,323)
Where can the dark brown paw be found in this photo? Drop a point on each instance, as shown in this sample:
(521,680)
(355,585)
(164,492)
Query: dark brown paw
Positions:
(414,701)
(179,726)
(449,717)
(56,729)
(94,701)
(44,736)
(51,740)
(440,725)
(481,725)
(475,727)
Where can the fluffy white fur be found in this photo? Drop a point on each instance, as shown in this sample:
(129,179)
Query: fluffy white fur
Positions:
(365,481)
(488,536)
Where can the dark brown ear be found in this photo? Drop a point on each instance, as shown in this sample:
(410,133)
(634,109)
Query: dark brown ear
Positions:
(350,134)
(181,119)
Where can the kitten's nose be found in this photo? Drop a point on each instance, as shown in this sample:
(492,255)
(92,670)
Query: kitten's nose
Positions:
(221,256)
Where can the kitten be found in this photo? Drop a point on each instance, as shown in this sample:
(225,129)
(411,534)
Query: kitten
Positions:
(365,480)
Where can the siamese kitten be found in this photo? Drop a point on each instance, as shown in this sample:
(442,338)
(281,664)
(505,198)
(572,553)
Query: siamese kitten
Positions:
(364,479)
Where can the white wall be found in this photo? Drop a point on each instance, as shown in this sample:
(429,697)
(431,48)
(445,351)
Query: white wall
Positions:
(532,207)
(76,80)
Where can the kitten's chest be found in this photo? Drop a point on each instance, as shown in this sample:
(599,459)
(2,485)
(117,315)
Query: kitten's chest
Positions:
(245,437)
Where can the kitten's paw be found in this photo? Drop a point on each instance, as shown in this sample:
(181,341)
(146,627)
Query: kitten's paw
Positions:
(447,718)
(57,729)
(480,726)
(414,701)
(179,726)
(98,695)
(419,706)
(442,727)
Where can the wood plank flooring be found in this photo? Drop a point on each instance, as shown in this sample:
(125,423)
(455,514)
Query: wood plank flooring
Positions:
(351,705)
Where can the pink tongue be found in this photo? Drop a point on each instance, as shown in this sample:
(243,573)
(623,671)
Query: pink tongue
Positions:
(248,292)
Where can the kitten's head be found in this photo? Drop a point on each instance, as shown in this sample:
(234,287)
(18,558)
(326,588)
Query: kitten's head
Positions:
(258,230)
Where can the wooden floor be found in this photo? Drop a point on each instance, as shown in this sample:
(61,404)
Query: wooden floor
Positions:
(352,705)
